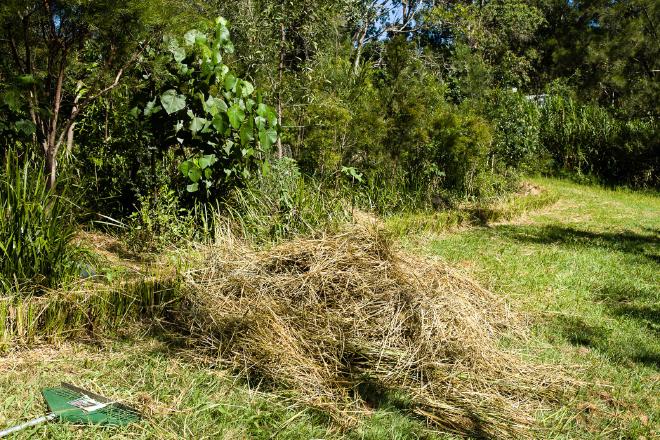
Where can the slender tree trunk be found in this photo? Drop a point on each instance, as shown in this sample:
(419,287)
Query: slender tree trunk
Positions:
(51,168)
(280,151)
(360,45)
(74,110)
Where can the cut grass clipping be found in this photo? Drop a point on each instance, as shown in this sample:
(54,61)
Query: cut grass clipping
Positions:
(341,320)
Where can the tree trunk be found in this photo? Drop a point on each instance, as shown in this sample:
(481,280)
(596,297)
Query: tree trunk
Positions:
(51,168)
(360,45)
(74,110)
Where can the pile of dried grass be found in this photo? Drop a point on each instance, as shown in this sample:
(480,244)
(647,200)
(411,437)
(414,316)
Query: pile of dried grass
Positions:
(330,317)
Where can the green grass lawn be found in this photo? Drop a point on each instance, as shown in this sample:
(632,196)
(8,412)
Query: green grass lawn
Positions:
(584,269)
(181,395)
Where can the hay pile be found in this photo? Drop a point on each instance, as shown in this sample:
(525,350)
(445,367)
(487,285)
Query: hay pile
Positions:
(336,318)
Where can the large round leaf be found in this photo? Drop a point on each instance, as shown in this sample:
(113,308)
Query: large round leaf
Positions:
(236,115)
(230,82)
(194,36)
(195,173)
(267,138)
(172,101)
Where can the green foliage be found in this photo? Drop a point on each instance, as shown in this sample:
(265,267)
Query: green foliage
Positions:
(344,122)
(587,139)
(36,230)
(281,204)
(218,119)
(516,128)
(159,222)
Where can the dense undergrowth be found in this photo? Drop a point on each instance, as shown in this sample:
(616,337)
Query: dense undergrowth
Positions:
(36,230)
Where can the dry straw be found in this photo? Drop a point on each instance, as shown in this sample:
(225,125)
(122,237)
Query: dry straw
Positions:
(87,310)
(342,319)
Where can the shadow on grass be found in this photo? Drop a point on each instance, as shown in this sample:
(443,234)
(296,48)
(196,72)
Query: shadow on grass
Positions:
(647,245)
(380,398)
(579,332)
(638,304)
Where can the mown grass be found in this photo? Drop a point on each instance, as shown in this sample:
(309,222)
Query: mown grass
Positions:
(586,270)
(181,395)
(470,214)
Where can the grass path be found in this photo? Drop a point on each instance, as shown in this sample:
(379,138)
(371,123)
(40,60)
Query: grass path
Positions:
(587,270)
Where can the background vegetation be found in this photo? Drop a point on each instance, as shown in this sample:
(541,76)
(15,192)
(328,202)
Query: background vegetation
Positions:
(422,99)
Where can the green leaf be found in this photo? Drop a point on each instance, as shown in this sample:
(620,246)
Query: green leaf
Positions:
(262,110)
(208,173)
(265,167)
(247,88)
(246,133)
(215,105)
(230,82)
(172,102)
(236,115)
(12,98)
(220,123)
(267,138)
(261,123)
(184,167)
(193,187)
(26,127)
(206,161)
(195,173)
(151,108)
(177,51)
(267,112)
(197,124)
(194,36)
(228,146)
(216,57)
(351,172)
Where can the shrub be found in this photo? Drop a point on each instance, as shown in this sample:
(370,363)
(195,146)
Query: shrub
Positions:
(589,139)
(36,230)
(159,221)
(280,203)
(515,122)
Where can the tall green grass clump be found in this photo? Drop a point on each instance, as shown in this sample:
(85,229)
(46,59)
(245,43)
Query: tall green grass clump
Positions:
(36,230)
(592,140)
(281,203)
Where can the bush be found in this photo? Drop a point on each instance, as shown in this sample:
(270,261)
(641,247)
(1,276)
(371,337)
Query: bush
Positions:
(36,230)
(515,122)
(589,139)
(281,203)
(159,221)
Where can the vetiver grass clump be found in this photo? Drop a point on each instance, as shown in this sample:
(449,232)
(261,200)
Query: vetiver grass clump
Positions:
(36,230)
(341,319)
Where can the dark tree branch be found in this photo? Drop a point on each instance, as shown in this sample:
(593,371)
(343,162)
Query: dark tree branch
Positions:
(14,50)
(85,102)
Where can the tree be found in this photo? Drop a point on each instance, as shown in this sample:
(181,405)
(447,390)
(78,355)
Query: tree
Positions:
(219,119)
(64,54)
